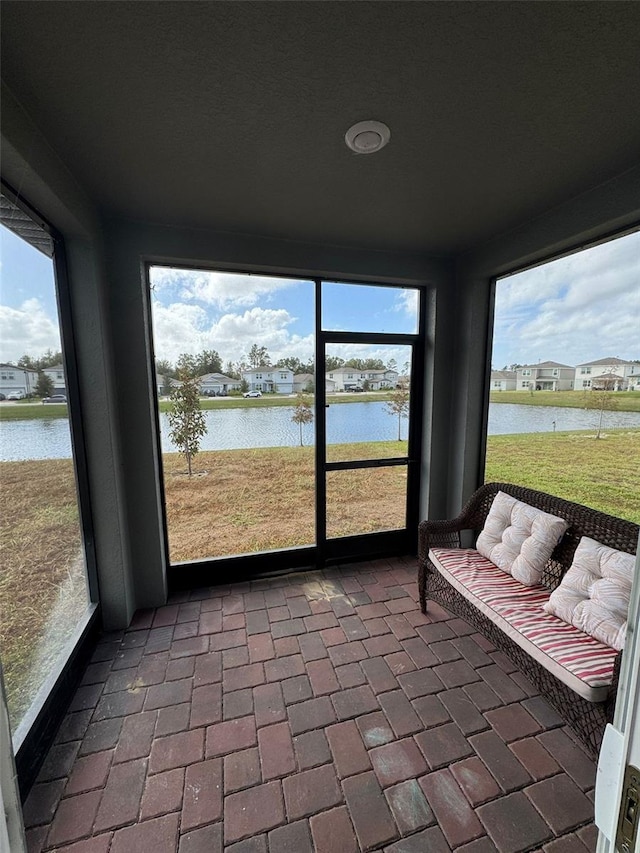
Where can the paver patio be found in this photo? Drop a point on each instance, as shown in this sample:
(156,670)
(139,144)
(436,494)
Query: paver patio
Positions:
(314,712)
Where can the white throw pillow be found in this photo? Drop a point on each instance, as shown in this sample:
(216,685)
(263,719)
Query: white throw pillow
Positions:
(594,594)
(518,538)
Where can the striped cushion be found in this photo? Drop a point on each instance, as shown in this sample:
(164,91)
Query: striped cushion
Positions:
(575,658)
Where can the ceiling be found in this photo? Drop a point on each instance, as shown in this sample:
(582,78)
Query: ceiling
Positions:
(231,116)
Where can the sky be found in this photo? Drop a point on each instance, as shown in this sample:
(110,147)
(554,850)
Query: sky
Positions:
(28,311)
(576,309)
(196,310)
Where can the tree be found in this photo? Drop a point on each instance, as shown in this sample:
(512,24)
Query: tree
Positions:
(258,356)
(167,387)
(295,365)
(392,364)
(399,404)
(208,361)
(164,368)
(44,385)
(333,362)
(601,399)
(302,413)
(365,363)
(48,359)
(187,424)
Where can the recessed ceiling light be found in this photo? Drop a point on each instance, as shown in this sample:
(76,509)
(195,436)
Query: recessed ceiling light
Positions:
(367,137)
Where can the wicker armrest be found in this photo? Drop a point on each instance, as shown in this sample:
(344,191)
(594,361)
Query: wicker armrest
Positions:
(437,534)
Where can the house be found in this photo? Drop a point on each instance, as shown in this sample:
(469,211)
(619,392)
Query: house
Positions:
(545,376)
(348,378)
(503,380)
(17,379)
(303,382)
(345,378)
(268,379)
(611,374)
(56,374)
(217,384)
(633,377)
(378,380)
(161,382)
(211,135)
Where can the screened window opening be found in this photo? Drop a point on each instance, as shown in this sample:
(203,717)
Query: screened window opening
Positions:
(44,588)
(564,411)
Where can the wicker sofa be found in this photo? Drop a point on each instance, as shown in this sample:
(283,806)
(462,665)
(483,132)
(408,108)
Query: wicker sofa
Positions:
(436,539)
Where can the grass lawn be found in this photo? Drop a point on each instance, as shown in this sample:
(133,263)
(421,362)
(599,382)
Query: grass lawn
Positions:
(247,501)
(601,473)
(243,501)
(622,401)
(36,410)
(42,580)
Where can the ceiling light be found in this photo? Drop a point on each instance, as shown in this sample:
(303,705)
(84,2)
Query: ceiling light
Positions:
(367,137)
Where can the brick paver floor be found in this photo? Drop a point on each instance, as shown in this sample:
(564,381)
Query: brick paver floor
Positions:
(315,712)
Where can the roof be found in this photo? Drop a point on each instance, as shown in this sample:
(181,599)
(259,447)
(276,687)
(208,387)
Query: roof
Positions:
(267,368)
(304,377)
(216,377)
(608,377)
(17,367)
(611,360)
(54,367)
(544,364)
(502,374)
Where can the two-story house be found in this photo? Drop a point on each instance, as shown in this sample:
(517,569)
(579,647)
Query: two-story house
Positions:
(17,379)
(56,375)
(269,379)
(545,376)
(611,374)
(348,378)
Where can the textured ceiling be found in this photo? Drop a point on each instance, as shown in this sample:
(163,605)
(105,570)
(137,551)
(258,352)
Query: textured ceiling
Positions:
(232,115)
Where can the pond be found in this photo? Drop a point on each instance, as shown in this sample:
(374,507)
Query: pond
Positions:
(272,427)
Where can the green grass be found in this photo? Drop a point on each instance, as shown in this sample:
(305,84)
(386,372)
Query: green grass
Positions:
(601,473)
(622,401)
(29,410)
(269,400)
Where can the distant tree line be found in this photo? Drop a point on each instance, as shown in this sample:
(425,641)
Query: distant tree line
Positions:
(210,361)
(48,359)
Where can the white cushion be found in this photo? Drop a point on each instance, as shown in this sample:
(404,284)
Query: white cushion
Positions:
(594,594)
(518,538)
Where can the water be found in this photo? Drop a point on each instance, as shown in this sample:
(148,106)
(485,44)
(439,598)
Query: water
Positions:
(273,427)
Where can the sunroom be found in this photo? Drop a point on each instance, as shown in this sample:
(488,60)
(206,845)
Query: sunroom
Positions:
(177,184)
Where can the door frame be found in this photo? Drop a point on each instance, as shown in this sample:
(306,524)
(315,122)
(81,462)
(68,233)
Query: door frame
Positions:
(239,567)
(369,545)
(625,737)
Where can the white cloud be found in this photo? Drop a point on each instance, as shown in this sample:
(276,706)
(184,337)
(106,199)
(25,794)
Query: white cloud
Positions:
(407,302)
(576,309)
(221,290)
(27,330)
(181,327)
